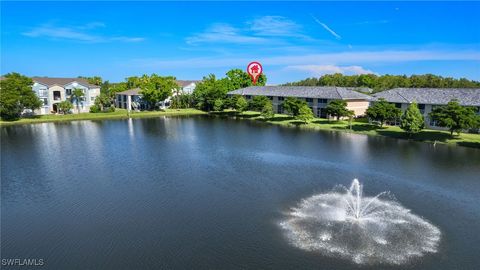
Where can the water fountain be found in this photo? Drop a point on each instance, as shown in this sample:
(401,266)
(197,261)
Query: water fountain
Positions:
(366,230)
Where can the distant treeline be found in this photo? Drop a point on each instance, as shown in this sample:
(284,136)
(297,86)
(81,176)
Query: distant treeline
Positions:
(384,82)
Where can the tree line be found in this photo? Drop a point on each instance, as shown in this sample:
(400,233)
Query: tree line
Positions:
(210,94)
(384,82)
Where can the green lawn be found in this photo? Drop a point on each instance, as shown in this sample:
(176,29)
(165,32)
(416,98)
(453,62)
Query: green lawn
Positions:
(118,114)
(363,127)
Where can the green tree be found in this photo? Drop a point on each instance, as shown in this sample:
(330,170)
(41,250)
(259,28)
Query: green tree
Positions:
(77,97)
(383,111)
(218,105)
(292,105)
(209,90)
(258,103)
(267,110)
(455,117)
(230,102)
(305,113)
(96,80)
(182,101)
(16,95)
(64,106)
(154,88)
(241,104)
(412,120)
(238,78)
(337,108)
(102,103)
(380,83)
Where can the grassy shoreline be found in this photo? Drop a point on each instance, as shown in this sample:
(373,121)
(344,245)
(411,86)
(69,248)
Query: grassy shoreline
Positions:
(118,114)
(362,127)
(358,127)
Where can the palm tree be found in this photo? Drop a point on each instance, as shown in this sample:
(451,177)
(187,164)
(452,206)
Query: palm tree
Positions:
(76,97)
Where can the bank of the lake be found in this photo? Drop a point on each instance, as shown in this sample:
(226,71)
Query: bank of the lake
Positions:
(117,114)
(363,127)
(358,126)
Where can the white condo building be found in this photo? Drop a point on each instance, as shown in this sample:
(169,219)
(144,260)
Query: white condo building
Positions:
(52,91)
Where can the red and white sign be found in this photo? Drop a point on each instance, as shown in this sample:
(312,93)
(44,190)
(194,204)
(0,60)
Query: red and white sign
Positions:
(254,69)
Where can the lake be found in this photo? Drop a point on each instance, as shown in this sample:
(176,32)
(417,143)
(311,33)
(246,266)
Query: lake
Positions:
(209,193)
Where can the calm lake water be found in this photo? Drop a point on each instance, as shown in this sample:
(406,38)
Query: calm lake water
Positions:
(209,193)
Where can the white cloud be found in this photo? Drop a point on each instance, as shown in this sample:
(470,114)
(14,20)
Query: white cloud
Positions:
(274,26)
(264,29)
(318,70)
(223,33)
(337,36)
(76,33)
(348,58)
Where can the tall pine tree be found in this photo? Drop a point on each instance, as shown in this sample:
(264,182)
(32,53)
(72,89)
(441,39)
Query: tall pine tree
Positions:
(412,120)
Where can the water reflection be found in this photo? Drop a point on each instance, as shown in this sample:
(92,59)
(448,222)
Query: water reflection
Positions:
(148,193)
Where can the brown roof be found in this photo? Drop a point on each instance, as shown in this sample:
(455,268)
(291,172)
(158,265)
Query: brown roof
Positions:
(63,81)
(131,92)
(184,83)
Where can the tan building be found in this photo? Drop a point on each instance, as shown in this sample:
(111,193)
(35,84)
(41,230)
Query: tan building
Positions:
(317,97)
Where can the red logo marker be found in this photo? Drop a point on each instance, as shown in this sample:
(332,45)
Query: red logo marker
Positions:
(254,69)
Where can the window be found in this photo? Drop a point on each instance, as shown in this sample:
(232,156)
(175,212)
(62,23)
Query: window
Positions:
(43,92)
(270,97)
(92,98)
(281,98)
(248,96)
(68,91)
(309,99)
(45,101)
(280,109)
(322,100)
(421,107)
(398,105)
(56,95)
(321,112)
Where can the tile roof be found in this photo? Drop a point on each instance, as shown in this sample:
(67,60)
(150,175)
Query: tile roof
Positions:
(465,96)
(301,91)
(184,83)
(130,92)
(63,81)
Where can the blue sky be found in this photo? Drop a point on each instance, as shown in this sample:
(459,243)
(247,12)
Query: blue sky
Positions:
(293,40)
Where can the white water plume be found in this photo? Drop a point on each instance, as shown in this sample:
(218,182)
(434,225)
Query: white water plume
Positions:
(366,230)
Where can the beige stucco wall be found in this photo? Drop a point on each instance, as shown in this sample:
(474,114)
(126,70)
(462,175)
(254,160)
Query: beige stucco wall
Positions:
(358,106)
(50,96)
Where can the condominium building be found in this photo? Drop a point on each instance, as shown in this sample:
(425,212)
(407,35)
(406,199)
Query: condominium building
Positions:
(430,98)
(52,91)
(317,97)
